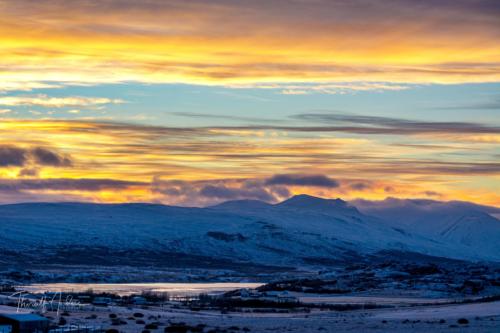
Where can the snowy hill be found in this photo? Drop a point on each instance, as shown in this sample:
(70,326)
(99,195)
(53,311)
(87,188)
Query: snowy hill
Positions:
(310,203)
(454,222)
(301,231)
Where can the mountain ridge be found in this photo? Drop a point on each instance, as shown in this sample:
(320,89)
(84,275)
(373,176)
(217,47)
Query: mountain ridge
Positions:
(302,230)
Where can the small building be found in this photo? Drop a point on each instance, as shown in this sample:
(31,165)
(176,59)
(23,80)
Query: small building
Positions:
(270,296)
(24,323)
(5,329)
(77,329)
(138,300)
(101,301)
(280,297)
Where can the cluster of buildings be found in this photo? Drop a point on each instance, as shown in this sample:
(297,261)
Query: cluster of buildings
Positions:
(270,296)
(23,323)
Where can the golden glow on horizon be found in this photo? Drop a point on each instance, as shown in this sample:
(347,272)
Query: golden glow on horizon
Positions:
(146,159)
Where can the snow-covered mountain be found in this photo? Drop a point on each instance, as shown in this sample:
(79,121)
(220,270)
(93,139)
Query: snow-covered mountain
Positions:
(302,230)
(455,222)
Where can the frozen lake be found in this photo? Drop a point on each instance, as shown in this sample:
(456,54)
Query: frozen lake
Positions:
(122,289)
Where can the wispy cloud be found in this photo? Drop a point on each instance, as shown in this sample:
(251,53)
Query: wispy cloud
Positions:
(386,125)
(71,185)
(56,102)
(325,88)
(375,45)
(208,116)
(316,122)
(26,86)
(303,180)
(492,104)
(212,164)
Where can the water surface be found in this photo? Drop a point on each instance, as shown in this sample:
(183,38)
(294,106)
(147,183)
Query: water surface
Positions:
(122,289)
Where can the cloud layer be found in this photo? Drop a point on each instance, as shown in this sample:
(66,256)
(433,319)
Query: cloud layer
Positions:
(205,165)
(56,102)
(240,43)
(20,157)
(290,46)
(303,180)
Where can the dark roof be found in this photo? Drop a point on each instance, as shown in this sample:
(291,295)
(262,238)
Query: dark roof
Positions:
(23,317)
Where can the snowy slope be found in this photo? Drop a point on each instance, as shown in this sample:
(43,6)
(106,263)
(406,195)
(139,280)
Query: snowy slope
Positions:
(462,223)
(300,231)
(333,220)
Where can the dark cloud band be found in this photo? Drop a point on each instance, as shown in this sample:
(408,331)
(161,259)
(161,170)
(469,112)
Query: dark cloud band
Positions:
(63,184)
(303,180)
(20,157)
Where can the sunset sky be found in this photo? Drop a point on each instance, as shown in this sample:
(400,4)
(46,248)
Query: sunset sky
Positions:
(198,102)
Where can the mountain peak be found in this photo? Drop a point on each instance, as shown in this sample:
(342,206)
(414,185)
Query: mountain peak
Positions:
(305,201)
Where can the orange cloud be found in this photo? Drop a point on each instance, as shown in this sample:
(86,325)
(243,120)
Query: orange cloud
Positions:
(173,165)
(241,43)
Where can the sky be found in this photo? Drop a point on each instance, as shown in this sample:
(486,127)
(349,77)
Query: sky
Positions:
(197,102)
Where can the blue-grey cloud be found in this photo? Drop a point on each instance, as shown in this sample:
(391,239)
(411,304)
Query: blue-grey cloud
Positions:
(493,104)
(12,156)
(48,157)
(210,116)
(20,157)
(302,180)
(319,122)
(359,186)
(65,184)
(231,193)
(362,124)
(209,192)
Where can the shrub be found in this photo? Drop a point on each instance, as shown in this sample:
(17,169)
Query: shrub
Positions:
(462,321)
(138,315)
(178,328)
(151,326)
(198,328)
(115,322)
